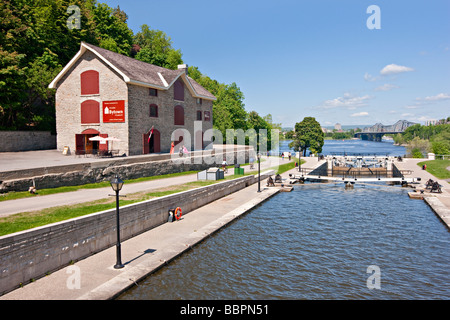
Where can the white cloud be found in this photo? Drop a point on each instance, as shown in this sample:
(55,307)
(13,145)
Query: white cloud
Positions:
(347,101)
(438,97)
(386,87)
(360,114)
(369,77)
(394,69)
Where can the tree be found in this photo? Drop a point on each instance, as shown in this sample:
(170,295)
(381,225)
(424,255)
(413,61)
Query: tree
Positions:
(309,135)
(228,109)
(156,48)
(36,42)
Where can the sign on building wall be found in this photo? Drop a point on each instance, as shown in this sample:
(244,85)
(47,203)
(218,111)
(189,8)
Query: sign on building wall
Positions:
(114,111)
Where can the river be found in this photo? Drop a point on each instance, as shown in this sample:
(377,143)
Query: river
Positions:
(320,241)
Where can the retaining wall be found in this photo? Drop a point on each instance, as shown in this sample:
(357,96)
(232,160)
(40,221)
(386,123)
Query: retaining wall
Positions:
(126,168)
(32,254)
(15,141)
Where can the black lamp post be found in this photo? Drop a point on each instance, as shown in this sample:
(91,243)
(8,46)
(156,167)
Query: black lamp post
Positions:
(300,160)
(116,185)
(259,171)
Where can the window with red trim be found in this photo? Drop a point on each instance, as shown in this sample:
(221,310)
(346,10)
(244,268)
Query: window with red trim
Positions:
(90,112)
(178,90)
(90,82)
(179,115)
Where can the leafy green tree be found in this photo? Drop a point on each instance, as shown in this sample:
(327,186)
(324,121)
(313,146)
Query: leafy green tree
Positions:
(155,47)
(228,109)
(36,42)
(309,135)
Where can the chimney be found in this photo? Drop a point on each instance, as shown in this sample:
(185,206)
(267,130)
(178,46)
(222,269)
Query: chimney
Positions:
(183,67)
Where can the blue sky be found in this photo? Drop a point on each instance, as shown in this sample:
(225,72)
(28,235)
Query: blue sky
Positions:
(318,58)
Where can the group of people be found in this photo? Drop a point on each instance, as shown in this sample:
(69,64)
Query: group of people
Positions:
(433,186)
(271,183)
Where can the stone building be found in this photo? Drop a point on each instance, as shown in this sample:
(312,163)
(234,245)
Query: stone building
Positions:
(106,94)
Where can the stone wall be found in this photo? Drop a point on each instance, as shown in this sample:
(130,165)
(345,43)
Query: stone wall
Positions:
(126,168)
(16,141)
(69,99)
(140,122)
(31,254)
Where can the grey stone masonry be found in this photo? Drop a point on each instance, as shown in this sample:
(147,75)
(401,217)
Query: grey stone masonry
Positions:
(124,79)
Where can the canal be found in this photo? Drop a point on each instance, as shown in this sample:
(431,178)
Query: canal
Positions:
(320,241)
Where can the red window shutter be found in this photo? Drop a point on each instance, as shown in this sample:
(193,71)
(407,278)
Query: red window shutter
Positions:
(79,142)
(104,146)
(90,82)
(178,90)
(90,112)
(145,145)
(179,115)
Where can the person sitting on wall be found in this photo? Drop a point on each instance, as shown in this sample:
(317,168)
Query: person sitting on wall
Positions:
(270,182)
(278,178)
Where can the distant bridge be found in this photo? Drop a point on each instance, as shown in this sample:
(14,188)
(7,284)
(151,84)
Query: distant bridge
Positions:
(374,136)
(377,131)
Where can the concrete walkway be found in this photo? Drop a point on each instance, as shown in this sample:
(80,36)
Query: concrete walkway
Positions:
(86,195)
(439,202)
(94,278)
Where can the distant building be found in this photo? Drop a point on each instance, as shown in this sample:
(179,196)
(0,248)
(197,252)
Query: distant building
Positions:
(106,94)
(337,127)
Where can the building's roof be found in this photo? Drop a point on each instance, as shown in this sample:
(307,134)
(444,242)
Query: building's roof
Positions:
(137,72)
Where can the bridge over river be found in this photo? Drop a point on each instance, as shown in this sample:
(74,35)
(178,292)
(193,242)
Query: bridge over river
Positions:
(377,131)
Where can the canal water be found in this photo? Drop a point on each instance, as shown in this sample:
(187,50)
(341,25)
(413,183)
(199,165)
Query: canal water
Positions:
(320,241)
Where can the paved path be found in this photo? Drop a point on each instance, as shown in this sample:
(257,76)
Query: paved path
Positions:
(141,255)
(85,195)
(147,252)
(439,202)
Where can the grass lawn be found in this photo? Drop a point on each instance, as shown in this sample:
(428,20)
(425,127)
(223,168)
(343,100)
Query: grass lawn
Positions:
(437,168)
(44,192)
(29,220)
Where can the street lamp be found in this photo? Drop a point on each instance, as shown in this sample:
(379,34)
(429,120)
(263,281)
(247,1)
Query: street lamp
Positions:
(116,185)
(259,171)
(300,160)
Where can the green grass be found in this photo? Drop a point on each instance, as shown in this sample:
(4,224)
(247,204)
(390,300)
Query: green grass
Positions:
(28,220)
(437,168)
(44,192)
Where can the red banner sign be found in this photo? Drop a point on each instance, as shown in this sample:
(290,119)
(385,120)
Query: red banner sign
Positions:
(114,111)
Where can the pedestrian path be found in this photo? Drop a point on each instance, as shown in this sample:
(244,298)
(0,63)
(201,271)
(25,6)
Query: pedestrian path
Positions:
(94,278)
(439,202)
(86,195)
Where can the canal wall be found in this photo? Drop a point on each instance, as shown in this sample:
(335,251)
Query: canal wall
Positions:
(28,255)
(127,168)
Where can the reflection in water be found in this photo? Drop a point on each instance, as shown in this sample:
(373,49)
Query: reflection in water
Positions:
(316,243)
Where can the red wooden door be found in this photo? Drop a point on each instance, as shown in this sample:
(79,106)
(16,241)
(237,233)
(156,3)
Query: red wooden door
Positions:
(103,146)
(145,144)
(79,143)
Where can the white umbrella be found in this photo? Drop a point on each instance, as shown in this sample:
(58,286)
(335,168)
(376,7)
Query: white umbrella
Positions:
(97,138)
(112,139)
